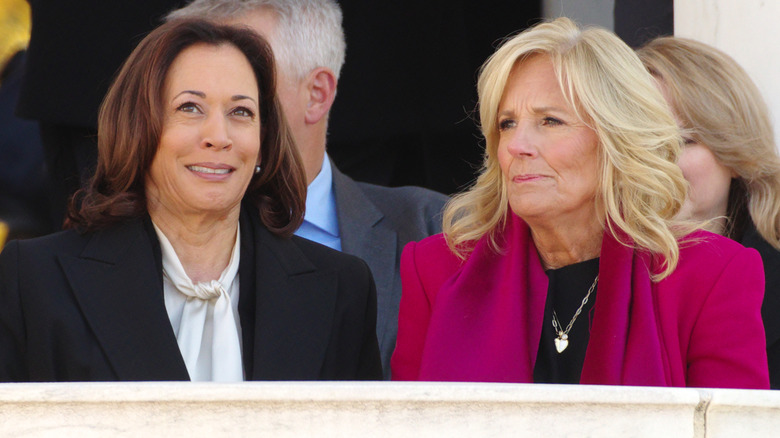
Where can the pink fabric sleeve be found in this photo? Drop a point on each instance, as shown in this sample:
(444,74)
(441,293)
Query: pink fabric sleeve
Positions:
(728,347)
(413,317)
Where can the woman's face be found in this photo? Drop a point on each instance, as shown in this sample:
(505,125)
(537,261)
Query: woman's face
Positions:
(709,182)
(548,156)
(210,142)
(708,178)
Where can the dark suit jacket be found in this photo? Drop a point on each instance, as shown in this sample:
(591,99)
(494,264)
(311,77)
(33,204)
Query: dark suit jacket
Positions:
(770,309)
(375,224)
(90,308)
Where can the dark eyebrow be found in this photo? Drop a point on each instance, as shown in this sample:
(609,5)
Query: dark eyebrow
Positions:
(241,97)
(200,94)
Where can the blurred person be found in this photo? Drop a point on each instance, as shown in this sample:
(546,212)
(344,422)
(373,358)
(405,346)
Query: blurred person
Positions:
(23,182)
(729,159)
(565,263)
(181,264)
(371,222)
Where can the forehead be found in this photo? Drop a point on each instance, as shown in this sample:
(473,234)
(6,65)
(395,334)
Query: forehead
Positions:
(533,77)
(210,65)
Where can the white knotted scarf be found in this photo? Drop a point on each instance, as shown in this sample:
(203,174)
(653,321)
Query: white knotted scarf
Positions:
(204,317)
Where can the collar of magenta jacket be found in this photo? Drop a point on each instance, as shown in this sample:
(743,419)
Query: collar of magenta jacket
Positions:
(498,303)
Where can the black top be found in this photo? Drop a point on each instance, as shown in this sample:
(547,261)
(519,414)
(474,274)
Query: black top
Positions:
(770,310)
(567,288)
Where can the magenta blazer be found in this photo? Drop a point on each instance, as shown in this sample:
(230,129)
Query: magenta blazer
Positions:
(480,320)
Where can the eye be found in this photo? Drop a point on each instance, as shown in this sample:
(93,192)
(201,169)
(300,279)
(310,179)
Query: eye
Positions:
(688,141)
(188,107)
(551,121)
(505,124)
(243,112)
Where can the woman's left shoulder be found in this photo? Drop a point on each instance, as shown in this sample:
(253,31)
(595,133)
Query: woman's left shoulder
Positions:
(703,244)
(707,257)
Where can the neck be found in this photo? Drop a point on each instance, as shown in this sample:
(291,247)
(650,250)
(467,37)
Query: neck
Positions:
(311,146)
(565,245)
(717,225)
(312,163)
(203,244)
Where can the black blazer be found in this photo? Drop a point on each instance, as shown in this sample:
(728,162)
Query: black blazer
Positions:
(89,307)
(770,309)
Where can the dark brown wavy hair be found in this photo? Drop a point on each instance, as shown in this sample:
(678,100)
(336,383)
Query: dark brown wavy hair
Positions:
(130,125)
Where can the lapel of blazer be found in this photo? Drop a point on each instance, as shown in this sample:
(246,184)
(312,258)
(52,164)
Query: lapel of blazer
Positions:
(295,305)
(365,235)
(118,286)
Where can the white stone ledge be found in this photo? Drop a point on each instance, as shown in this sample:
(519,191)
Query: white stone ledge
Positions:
(380,409)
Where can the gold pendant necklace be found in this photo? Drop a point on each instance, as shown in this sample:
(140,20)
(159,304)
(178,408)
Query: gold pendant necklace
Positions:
(562,340)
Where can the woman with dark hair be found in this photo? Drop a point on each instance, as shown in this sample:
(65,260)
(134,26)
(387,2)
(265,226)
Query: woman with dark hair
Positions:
(198,186)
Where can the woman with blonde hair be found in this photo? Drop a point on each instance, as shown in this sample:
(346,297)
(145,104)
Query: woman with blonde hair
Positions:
(564,263)
(729,158)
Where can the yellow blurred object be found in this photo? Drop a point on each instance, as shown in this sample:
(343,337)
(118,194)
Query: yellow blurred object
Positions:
(3,234)
(15,25)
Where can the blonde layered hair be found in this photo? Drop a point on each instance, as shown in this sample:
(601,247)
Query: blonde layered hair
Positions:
(641,188)
(720,107)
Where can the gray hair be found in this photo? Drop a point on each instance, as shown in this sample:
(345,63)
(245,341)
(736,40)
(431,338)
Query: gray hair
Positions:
(308,35)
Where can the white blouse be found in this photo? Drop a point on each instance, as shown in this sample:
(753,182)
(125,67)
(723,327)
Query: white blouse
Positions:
(204,317)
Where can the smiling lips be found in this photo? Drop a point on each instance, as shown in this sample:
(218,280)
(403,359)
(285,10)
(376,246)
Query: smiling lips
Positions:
(211,171)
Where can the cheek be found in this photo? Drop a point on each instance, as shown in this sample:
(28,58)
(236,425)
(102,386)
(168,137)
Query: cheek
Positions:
(701,168)
(708,178)
(253,149)
(504,157)
(687,163)
(580,162)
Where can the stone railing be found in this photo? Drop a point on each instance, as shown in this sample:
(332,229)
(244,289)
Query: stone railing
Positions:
(381,409)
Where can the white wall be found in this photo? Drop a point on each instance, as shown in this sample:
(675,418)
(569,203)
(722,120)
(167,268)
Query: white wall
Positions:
(381,409)
(748,30)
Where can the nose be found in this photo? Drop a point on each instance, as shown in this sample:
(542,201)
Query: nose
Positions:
(520,141)
(216,134)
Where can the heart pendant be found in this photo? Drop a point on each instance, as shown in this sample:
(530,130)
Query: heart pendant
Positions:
(561,342)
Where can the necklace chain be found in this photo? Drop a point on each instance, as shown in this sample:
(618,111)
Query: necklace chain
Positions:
(563,335)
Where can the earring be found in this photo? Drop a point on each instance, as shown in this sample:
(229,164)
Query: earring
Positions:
(257,169)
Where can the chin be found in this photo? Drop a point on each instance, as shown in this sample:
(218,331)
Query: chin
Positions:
(215,206)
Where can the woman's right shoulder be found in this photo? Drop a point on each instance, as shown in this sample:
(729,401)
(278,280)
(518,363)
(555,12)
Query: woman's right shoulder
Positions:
(46,246)
(433,248)
(431,259)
